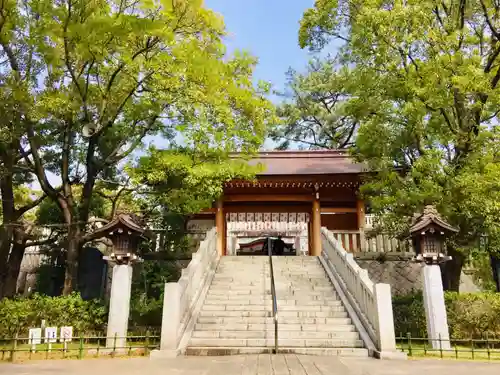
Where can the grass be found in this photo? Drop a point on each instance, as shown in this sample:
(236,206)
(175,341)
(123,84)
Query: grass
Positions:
(462,352)
(88,348)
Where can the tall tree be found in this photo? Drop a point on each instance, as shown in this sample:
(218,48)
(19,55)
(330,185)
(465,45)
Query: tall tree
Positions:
(100,76)
(318,107)
(431,70)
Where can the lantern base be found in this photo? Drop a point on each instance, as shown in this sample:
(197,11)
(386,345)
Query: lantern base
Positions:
(432,258)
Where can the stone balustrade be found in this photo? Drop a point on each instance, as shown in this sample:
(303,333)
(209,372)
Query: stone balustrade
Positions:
(182,297)
(371,302)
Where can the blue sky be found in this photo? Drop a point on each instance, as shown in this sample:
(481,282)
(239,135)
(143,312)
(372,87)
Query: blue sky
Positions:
(268,29)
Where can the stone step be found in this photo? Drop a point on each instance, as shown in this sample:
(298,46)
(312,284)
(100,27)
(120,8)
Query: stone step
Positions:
(269,326)
(340,313)
(241,292)
(268,296)
(240,287)
(256,299)
(229,320)
(268,301)
(331,313)
(221,308)
(220,351)
(249,334)
(294,343)
(226,313)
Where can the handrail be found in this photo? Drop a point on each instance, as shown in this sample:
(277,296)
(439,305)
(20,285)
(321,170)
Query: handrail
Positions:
(273,293)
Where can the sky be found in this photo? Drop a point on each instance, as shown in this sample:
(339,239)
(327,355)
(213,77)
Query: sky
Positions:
(268,29)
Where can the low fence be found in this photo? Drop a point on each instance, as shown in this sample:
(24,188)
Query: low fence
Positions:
(92,346)
(487,348)
(356,241)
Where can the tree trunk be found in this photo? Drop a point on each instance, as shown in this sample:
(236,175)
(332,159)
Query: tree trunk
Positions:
(71,273)
(13,268)
(453,270)
(8,213)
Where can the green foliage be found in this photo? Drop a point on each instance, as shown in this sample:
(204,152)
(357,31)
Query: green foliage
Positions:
(409,315)
(318,108)
(112,74)
(148,284)
(146,312)
(185,181)
(19,314)
(430,77)
(470,315)
(482,272)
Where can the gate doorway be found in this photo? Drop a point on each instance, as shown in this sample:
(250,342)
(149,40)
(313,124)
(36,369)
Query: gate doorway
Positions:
(279,246)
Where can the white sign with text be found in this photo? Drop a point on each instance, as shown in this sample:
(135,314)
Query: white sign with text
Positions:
(66,334)
(51,334)
(35,335)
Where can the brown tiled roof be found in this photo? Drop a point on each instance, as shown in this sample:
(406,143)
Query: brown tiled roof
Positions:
(321,162)
(428,217)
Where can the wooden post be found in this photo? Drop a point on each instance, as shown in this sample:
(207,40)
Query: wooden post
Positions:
(219,223)
(316,227)
(360,209)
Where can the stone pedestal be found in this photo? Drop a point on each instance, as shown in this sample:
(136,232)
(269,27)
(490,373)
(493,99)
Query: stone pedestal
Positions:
(435,309)
(119,306)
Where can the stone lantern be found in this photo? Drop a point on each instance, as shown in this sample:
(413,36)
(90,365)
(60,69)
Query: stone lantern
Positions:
(429,232)
(125,234)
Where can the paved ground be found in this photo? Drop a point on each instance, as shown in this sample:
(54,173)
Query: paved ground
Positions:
(252,365)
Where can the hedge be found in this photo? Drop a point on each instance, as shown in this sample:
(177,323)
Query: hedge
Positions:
(18,315)
(470,315)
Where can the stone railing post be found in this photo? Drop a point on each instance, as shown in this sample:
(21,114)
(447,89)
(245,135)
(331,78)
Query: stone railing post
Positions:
(171,319)
(119,304)
(435,308)
(384,319)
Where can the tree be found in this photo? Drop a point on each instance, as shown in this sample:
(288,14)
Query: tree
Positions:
(431,69)
(318,107)
(184,181)
(94,79)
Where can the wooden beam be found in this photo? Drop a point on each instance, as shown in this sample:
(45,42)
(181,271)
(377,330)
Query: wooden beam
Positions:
(316,228)
(360,208)
(268,198)
(338,210)
(220,225)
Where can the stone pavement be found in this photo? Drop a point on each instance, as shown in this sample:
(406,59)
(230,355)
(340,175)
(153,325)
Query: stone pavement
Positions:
(251,365)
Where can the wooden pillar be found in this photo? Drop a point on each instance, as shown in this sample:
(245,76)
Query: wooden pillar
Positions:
(360,209)
(221,227)
(316,227)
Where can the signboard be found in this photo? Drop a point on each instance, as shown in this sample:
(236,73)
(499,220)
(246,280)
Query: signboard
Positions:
(51,334)
(35,336)
(66,334)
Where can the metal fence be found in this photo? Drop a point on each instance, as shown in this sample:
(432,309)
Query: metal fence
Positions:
(93,346)
(487,348)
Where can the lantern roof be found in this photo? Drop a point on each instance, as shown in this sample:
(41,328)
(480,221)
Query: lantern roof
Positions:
(126,221)
(430,218)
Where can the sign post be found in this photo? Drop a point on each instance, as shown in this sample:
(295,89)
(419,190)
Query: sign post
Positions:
(35,335)
(50,336)
(66,335)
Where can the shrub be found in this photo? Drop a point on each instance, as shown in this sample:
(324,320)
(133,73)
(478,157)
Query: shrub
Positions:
(18,315)
(469,315)
(145,312)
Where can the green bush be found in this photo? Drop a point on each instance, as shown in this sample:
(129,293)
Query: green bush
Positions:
(18,315)
(469,315)
(145,312)
(409,315)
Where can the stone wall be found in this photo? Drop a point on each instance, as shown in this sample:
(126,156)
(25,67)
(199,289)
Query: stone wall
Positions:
(398,270)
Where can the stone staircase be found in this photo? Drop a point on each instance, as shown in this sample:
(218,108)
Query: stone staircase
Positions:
(236,315)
